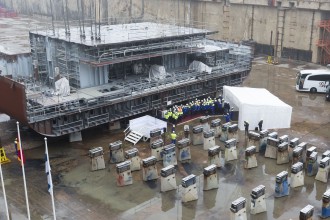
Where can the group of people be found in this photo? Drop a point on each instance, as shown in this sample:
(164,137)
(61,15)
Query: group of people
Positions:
(206,106)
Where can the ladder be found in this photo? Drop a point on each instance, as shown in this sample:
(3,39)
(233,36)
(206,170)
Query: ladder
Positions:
(132,136)
(293,27)
(225,22)
(279,33)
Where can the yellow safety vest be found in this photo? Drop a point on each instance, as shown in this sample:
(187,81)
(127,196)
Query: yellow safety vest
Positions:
(173,136)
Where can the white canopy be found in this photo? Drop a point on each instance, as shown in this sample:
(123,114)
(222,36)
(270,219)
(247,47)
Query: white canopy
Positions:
(145,124)
(256,104)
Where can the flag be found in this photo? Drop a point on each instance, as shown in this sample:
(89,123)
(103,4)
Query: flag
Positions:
(18,148)
(47,168)
(49,177)
(22,160)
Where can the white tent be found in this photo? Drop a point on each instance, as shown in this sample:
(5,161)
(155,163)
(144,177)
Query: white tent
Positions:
(145,124)
(256,104)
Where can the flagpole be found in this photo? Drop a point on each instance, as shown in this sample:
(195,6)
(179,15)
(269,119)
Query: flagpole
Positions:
(50,176)
(23,171)
(4,192)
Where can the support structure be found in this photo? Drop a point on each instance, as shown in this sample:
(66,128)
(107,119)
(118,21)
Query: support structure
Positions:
(324,42)
(279,33)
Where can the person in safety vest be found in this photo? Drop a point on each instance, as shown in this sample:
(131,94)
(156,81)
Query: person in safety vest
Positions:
(166,116)
(173,137)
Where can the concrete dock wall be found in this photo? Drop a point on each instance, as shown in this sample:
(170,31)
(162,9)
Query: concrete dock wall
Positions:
(235,20)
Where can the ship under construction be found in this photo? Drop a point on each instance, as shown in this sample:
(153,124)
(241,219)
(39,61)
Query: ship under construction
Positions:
(83,78)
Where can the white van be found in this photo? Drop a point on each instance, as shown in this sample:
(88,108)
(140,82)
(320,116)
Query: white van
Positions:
(312,80)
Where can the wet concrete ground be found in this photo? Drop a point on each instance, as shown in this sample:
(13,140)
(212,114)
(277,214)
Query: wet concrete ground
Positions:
(81,194)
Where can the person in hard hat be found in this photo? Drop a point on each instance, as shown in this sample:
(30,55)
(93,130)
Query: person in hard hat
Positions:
(223,106)
(219,105)
(246,126)
(170,114)
(173,137)
(175,117)
(231,113)
(166,116)
(212,109)
(260,124)
(227,117)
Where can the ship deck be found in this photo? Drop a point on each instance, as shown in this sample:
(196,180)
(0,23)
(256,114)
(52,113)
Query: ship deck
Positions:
(123,33)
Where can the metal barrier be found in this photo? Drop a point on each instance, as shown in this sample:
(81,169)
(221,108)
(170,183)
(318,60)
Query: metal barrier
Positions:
(64,129)
(99,119)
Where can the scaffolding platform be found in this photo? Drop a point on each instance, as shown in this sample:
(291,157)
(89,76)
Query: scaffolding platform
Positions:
(145,124)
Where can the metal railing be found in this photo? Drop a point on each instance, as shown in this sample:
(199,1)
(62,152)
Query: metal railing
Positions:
(156,103)
(99,119)
(71,126)
(240,61)
(140,107)
(127,131)
(43,113)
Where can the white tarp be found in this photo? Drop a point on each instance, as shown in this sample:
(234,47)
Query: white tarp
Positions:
(157,72)
(256,104)
(200,67)
(62,87)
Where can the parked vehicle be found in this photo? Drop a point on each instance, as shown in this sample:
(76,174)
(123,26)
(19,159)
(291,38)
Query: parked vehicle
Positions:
(312,80)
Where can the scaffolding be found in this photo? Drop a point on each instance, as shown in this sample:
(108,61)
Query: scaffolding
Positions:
(68,63)
(104,85)
(324,42)
(39,59)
